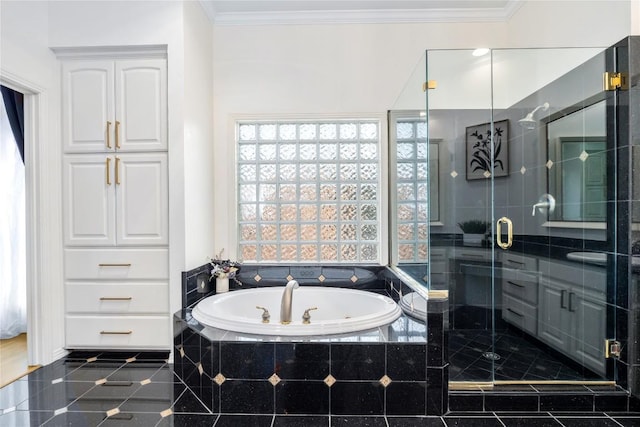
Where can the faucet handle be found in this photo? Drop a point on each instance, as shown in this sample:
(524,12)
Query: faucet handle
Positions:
(265,314)
(306,317)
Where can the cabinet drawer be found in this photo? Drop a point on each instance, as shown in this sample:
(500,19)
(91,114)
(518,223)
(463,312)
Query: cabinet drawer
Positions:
(111,332)
(519,262)
(116,264)
(520,314)
(580,277)
(520,285)
(117,298)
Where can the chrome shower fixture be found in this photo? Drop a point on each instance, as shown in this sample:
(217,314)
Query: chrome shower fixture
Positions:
(528,122)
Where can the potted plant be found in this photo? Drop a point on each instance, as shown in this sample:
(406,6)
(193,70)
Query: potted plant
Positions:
(473,231)
(222,270)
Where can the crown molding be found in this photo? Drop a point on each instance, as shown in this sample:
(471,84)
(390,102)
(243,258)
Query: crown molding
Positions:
(369,16)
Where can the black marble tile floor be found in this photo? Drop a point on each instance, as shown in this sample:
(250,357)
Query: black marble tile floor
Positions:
(129,389)
(473,356)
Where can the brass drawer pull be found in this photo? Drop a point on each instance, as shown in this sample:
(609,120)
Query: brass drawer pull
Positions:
(116,298)
(115,265)
(116,332)
(515,284)
(515,312)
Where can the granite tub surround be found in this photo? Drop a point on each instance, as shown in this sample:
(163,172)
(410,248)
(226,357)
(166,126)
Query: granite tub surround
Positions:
(377,372)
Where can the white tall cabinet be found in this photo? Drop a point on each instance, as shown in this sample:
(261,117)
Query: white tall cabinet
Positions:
(115,202)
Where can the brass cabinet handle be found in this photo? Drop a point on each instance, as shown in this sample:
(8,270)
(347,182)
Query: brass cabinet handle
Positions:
(515,284)
(116,298)
(108,134)
(509,242)
(117,171)
(117,134)
(116,332)
(108,167)
(115,265)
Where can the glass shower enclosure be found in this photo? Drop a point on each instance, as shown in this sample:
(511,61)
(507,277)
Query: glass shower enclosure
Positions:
(513,214)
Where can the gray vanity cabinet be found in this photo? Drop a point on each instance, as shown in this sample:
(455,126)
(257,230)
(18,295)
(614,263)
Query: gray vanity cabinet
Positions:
(520,291)
(572,312)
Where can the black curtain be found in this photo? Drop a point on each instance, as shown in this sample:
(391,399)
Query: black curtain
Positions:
(14,104)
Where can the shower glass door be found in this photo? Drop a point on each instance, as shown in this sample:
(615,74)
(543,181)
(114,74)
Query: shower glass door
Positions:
(526,226)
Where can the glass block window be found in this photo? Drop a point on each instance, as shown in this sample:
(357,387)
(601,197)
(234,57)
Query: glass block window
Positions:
(416,188)
(309,191)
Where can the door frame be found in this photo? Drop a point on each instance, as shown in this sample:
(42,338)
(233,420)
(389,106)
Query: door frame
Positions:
(39,346)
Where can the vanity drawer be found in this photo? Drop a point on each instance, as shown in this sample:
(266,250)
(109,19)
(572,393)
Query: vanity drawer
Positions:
(519,262)
(520,314)
(520,285)
(116,263)
(111,332)
(120,297)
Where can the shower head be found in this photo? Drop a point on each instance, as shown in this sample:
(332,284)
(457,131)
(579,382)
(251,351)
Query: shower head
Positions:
(528,122)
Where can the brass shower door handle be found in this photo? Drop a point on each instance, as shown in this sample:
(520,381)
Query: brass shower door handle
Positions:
(509,242)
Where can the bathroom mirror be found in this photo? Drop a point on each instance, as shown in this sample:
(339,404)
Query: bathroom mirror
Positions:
(577,167)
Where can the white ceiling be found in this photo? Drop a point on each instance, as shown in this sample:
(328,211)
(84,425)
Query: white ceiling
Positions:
(238,12)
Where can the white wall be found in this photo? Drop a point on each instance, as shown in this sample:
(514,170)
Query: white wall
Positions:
(281,70)
(571,23)
(28,31)
(27,64)
(284,70)
(199,159)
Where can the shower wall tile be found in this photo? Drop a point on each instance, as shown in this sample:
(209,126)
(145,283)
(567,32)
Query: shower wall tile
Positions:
(437,390)
(246,397)
(466,402)
(406,398)
(567,402)
(301,361)
(623,374)
(406,362)
(618,403)
(437,345)
(302,397)
(357,361)
(357,398)
(191,294)
(247,360)
(511,402)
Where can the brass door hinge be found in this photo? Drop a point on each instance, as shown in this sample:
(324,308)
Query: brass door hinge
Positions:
(613,81)
(612,349)
(431,84)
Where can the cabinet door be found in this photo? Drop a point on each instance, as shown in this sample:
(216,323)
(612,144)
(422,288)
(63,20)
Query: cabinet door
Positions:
(590,327)
(142,199)
(141,104)
(89,200)
(87,105)
(554,320)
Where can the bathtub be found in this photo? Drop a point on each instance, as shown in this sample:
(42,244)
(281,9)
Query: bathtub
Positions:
(415,305)
(339,310)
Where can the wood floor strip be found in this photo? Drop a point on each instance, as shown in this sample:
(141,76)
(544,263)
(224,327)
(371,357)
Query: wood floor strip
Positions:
(13,360)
